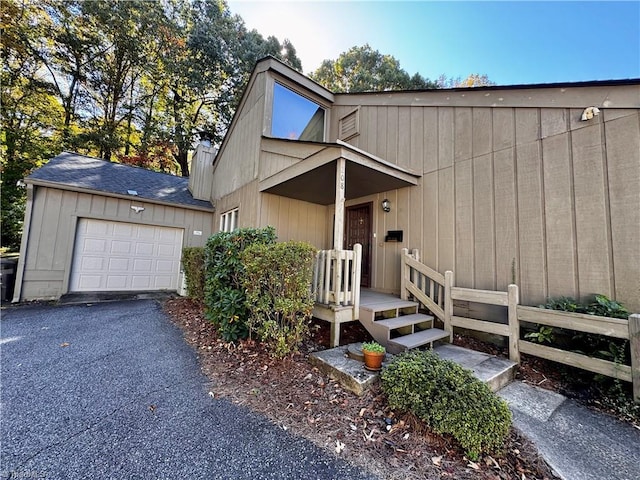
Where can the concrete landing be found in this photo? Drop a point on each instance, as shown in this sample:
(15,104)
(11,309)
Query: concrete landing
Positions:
(494,371)
(338,364)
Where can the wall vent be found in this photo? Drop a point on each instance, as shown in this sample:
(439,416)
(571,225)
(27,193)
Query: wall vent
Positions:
(349,125)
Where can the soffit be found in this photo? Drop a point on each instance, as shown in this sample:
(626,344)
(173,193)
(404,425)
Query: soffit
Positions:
(313,179)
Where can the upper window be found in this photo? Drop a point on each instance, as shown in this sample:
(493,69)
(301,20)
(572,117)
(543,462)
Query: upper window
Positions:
(296,117)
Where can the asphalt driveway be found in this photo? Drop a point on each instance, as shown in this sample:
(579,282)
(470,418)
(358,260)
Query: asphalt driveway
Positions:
(112,391)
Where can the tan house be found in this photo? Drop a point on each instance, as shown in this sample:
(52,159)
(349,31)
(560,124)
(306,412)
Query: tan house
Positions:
(537,185)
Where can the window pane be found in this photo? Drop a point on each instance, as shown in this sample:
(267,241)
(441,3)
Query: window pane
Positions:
(295,117)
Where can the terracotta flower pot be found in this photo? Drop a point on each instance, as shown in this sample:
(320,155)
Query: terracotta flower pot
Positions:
(373,360)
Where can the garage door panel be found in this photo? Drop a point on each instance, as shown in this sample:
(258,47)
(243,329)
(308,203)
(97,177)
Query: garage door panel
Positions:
(123,230)
(118,265)
(119,246)
(94,245)
(92,263)
(120,256)
(146,233)
(91,281)
(144,248)
(117,282)
(142,265)
(162,282)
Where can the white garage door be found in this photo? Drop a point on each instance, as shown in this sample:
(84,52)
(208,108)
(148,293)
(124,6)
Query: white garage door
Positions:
(117,256)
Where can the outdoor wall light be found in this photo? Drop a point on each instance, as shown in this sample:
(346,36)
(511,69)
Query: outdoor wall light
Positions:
(386,205)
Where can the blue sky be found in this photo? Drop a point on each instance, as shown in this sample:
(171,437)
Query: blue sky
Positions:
(512,42)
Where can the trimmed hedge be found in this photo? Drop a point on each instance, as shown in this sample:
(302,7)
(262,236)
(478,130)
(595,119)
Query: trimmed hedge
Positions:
(225,300)
(193,266)
(279,298)
(449,399)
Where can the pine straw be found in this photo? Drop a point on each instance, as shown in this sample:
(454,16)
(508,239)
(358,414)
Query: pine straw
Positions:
(297,397)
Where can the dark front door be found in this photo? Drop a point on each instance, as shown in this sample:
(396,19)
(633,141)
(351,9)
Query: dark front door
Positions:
(359,230)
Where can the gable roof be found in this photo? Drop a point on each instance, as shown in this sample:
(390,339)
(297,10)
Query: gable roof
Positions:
(73,171)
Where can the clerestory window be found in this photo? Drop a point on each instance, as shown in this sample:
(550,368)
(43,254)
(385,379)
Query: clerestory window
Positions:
(295,117)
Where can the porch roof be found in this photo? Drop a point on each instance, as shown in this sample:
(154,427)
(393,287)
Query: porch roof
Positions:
(313,179)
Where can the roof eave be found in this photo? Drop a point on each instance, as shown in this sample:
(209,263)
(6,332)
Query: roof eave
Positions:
(72,188)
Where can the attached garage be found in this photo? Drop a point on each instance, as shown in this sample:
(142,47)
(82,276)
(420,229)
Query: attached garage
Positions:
(117,256)
(97,226)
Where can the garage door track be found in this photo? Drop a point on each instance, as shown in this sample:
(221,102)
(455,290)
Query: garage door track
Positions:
(112,391)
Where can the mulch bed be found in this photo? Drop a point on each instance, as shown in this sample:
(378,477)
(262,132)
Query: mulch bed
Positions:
(297,397)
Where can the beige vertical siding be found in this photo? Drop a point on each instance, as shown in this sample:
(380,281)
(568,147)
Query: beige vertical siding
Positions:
(512,193)
(52,232)
(237,164)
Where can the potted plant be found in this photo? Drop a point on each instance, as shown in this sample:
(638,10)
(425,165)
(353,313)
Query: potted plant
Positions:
(373,355)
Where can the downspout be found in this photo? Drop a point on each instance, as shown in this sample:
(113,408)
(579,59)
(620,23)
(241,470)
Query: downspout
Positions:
(26,226)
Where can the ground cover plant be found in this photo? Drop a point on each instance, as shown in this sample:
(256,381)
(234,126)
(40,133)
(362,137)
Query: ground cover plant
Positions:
(449,399)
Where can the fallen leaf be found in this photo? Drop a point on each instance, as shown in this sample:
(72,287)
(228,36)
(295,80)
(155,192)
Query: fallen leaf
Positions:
(473,465)
(339,446)
(436,460)
(362,411)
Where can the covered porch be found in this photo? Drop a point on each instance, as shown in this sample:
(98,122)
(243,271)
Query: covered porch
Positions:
(332,175)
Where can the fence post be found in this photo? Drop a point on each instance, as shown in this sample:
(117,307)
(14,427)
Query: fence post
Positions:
(357,261)
(514,324)
(634,343)
(448,303)
(403,273)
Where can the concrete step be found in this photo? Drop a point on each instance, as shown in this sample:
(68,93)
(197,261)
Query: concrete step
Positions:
(494,371)
(339,364)
(418,339)
(405,321)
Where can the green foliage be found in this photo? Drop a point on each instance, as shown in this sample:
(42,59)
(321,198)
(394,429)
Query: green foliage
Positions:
(363,69)
(193,265)
(373,347)
(279,298)
(225,300)
(543,335)
(449,399)
(601,305)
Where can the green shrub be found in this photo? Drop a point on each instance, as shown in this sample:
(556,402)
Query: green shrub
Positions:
(279,298)
(225,301)
(193,266)
(449,399)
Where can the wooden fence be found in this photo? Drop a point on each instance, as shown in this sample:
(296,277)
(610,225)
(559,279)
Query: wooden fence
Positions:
(437,293)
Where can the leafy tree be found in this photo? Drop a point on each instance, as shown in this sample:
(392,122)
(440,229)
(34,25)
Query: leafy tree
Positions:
(363,69)
(473,80)
(29,116)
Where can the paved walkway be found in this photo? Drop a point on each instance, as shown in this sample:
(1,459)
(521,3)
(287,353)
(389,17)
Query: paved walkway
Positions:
(576,442)
(112,391)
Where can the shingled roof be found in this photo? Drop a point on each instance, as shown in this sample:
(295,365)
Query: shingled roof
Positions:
(80,171)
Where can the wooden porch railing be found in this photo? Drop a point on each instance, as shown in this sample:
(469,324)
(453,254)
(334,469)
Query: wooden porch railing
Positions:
(437,293)
(336,277)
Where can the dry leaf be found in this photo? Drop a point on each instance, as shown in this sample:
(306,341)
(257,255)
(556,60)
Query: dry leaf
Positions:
(473,465)
(436,460)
